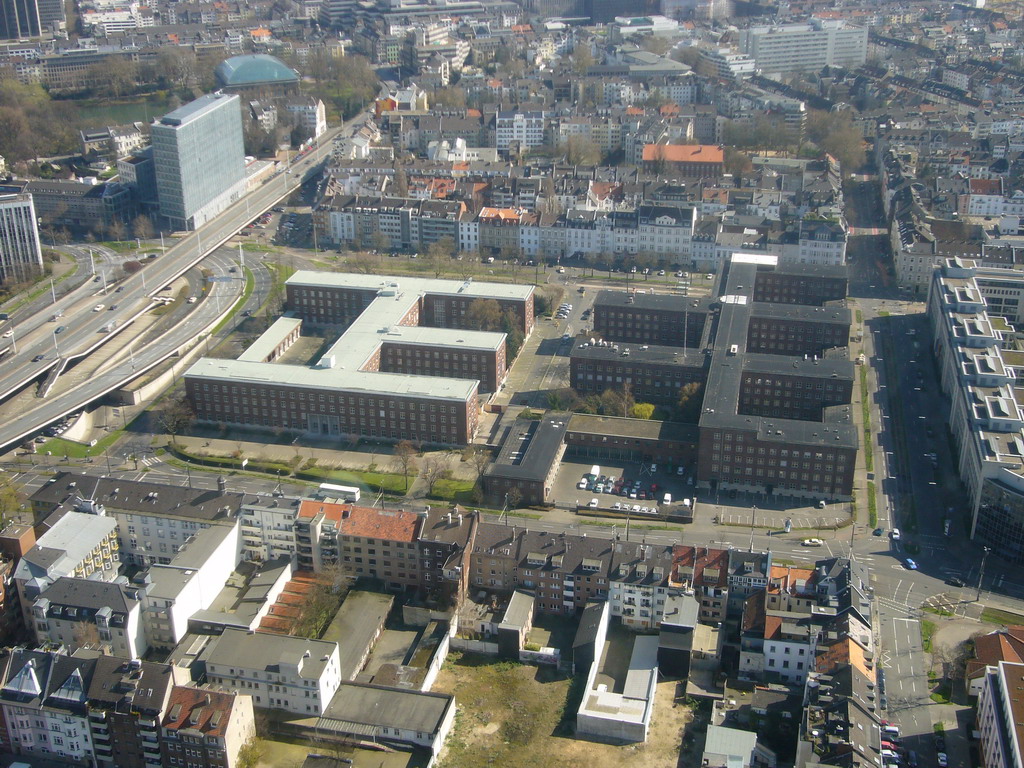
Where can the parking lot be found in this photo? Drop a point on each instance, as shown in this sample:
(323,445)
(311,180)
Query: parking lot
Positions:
(625,483)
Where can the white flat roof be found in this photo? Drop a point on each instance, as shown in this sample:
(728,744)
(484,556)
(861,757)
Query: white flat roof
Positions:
(415,285)
(274,335)
(335,379)
(755,258)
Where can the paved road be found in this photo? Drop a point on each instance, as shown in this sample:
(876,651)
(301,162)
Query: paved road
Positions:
(84,325)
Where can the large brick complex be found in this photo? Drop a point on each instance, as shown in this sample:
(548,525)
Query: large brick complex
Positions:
(769,349)
(405,366)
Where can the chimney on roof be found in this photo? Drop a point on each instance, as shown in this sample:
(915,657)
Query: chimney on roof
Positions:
(207,699)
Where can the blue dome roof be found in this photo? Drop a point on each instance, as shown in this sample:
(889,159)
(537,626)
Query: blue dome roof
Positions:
(254,69)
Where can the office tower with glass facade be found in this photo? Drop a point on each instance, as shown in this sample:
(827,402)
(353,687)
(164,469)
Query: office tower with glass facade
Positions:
(20,254)
(199,159)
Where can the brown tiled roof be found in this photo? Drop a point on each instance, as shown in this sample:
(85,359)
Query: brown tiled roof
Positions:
(197,709)
(389,524)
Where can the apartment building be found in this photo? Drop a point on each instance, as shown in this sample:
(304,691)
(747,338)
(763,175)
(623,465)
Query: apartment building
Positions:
(705,572)
(267,528)
(201,728)
(174,592)
(81,612)
(83,709)
(79,545)
(640,584)
(524,129)
(154,520)
(295,674)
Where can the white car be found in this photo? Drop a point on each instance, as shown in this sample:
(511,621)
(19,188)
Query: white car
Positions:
(98,308)
(8,333)
(895,533)
(943,760)
(582,485)
(593,504)
(813,543)
(617,505)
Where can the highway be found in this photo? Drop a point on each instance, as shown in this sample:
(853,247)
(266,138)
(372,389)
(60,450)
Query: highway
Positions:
(39,352)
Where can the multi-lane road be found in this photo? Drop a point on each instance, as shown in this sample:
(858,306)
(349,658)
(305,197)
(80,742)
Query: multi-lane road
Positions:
(85,329)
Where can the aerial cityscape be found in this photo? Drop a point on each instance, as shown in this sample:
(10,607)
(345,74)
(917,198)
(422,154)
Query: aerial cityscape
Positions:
(545,383)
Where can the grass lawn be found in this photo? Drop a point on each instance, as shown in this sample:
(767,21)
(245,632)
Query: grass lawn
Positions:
(460,491)
(521,715)
(996,616)
(249,285)
(927,631)
(60,447)
(872,506)
(941,694)
(936,611)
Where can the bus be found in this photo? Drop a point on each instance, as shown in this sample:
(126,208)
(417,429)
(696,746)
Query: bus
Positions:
(343,492)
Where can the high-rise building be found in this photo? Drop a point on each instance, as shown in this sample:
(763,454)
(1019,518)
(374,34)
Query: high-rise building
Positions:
(199,159)
(19,18)
(782,48)
(20,253)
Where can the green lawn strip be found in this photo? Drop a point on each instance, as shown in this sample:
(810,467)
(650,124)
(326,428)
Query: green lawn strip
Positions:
(872,506)
(997,616)
(449,489)
(60,447)
(937,611)
(121,246)
(927,631)
(250,283)
(865,405)
(42,287)
(941,695)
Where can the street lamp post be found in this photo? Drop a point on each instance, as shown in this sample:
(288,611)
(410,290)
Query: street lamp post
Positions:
(981,573)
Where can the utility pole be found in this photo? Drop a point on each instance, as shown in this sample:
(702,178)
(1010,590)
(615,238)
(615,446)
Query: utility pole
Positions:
(753,517)
(981,573)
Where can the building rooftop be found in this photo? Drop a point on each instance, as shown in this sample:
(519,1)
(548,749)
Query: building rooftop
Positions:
(194,110)
(72,538)
(254,69)
(354,627)
(206,712)
(531,448)
(262,650)
(376,706)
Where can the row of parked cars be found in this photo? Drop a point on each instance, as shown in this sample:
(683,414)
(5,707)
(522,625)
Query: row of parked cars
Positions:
(617,486)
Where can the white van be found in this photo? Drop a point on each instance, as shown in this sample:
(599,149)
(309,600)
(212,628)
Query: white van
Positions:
(891,730)
(667,499)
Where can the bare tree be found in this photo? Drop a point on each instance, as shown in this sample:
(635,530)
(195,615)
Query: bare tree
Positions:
(483,315)
(479,458)
(436,467)
(177,416)
(363,262)
(85,633)
(142,227)
(405,455)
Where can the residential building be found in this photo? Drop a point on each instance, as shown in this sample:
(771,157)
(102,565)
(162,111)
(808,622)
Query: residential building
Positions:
(1001,714)
(295,674)
(268,528)
(172,593)
(205,728)
(1005,644)
(705,572)
(81,612)
(21,256)
(727,747)
(79,545)
(523,129)
(310,115)
(154,520)
(199,159)
(688,160)
(113,142)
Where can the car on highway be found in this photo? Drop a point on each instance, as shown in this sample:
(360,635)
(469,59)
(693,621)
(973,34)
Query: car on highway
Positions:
(8,333)
(812,543)
(98,307)
(37,358)
(911,565)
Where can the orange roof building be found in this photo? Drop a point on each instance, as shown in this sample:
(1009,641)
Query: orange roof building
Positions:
(204,727)
(694,160)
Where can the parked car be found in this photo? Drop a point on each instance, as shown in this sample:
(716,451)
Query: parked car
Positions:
(878,532)
(956,581)
(593,504)
(911,565)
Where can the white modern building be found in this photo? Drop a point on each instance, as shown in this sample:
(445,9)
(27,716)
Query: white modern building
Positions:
(782,48)
(999,715)
(173,593)
(20,253)
(524,128)
(295,674)
(311,115)
(268,529)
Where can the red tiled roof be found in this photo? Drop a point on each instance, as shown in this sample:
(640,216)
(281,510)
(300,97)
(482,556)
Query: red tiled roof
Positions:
(195,709)
(683,153)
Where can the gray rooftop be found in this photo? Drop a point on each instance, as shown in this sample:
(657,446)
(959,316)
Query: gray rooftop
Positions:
(355,625)
(376,706)
(530,448)
(194,110)
(262,650)
(66,544)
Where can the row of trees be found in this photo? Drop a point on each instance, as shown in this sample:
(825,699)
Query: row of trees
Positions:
(620,402)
